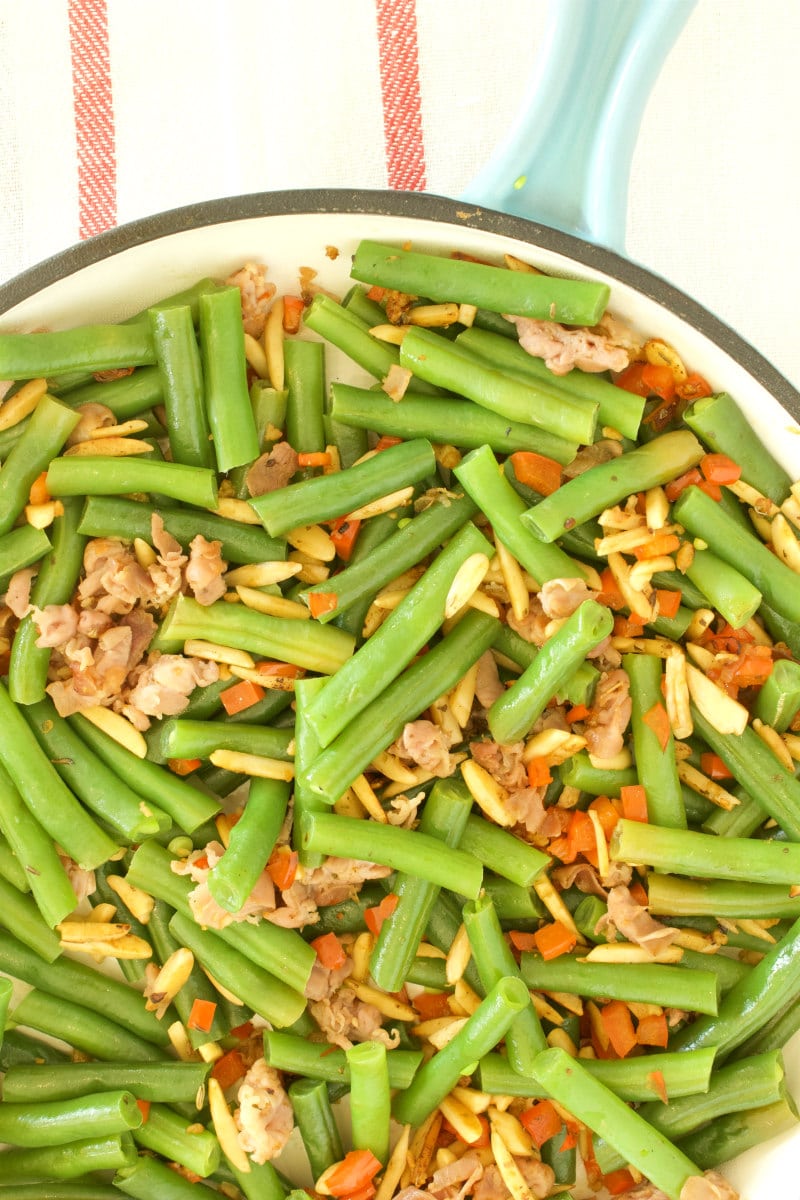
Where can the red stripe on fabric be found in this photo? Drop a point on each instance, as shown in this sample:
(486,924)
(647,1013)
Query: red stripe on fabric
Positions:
(94,116)
(398,57)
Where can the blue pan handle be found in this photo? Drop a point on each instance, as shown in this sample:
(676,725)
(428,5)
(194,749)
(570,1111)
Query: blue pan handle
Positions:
(566,161)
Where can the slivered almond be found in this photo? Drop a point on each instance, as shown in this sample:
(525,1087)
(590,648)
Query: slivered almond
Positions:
(179,1040)
(273,345)
(603,864)
(111,447)
(511,1131)
(395,1166)
(138,902)
(786,545)
(22,403)
(275,682)
(310,571)
(198,648)
(636,600)
(568,1000)
(466,581)
(236,510)
(514,580)
(314,541)
(223,991)
(509,1171)
(466,1123)
(443,716)
(145,554)
(360,953)
(225,1127)
(471,1098)
(557,745)
(517,264)
(440,1037)
(252,764)
(256,356)
(552,901)
(467,314)
(366,795)
(753,498)
(704,786)
(41,516)
(656,509)
(545,1010)
(349,805)
(263,574)
(628,952)
(386,1004)
(661,354)
(465,996)
(463,696)
(618,763)
(658,647)
(420,1150)
(392,334)
(276,606)
(458,956)
(399,499)
(167,982)
(128,947)
(756,929)
(622,517)
(487,793)
(770,737)
(91,931)
(721,710)
(677,695)
(433,316)
(642,572)
(102,913)
(127,427)
(560,1038)
(393,768)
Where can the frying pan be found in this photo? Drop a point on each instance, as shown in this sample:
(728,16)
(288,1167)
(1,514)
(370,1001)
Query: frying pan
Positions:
(554,194)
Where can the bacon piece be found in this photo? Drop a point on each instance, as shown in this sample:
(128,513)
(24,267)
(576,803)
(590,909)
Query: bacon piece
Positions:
(427,745)
(503,762)
(272,470)
(324,981)
(339,879)
(402,809)
(264,1116)
(607,346)
(561,597)
(18,592)
(204,907)
(592,456)
(164,685)
(605,726)
(205,570)
(635,923)
(526,807)
(166,573)
(113,578)
(57,623)
(257,293)
(345,1020)
(457,1179)
(532,626)
(585,878)
(538,1176)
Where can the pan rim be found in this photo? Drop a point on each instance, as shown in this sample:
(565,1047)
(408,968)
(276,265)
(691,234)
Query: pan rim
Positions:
(413,205)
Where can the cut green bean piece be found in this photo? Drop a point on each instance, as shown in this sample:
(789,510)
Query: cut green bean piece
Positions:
(252,840)
(602,486)
(435,418)
(544,297)
(87,348)
(37,855)
(512,714)
(164,1081)
(327,496)
(778,699)
(306,749)
(532,401)
(305,384)
(69,1161)
(728,1136)
(184,738)
(502,852)
(48,429)
(413,691)
(320,1060)
(315,1120)
(54,1122)
(370,1100)
(720,423)
(401,636)
(672,895)
(725,588)
(149,1179)
(20,915)
(480,475)
(101,475)
(168,1134)
(686,852)
(21,547)
(228,407)
(83,1028)
(181,373)
(654,983)
(656,766)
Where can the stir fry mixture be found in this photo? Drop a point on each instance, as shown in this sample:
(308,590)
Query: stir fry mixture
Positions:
(429,742)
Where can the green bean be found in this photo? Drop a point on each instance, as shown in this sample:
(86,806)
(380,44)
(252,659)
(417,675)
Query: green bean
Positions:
(107,796)
(731,1135)
(407,546)
(494,959)
(383,720)
(654,983)
(778,699)
(20,548)
(182,738)
(444,816)
(265,994)
(486,1026)
(758,771)
(351,334)
(314,1118)
(410,851)
(45,794)
(261,1182)
(631,1079)
(287,639)
(720,423)
(512,714)
(87,348)
(60,1191)
(54,1122)
(329,496)
(197,986)
(49,427)
(170,1082)
(530,401)
(84,1028)
(306,749)
(69,1161)
(21,1049)
(728,970)
(607,484)
(181,374)
(757,998)
(129,396)
(357,302)
(305,383)
(54,584)
(427,972)
(436,418)
(348,916)
(503,853)
(656,767)
(167,1133)
(370,1100)
(687,852)
(442,279)
(702,517)
(187,806)
(37,855)
(781,628)
(401,636)
(480,475)
(444,922)
(113,516)
(579,772)
(149,1179)
(11,869)
(103,475)
(616,407)
(572,1085)
(671,895)
(230,414)
(252,840)
(280,952)
(320,1060)
(725,588)
(20,914)
(513,902)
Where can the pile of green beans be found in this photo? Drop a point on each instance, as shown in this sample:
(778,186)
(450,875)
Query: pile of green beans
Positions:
(105,1095)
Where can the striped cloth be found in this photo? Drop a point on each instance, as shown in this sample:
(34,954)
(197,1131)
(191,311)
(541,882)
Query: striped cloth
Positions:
(111,110)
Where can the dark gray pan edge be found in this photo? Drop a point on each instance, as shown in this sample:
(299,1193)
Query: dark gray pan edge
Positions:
(415,205)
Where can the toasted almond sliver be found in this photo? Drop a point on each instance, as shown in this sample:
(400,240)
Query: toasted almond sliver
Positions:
(256,356)
(395,1166)
(275,682)
(636,600)
(661,354)
(388,1005)
(465,1122)
(275,606)
(552,901)
(366,794)
(127,427)
(560,1038)
(179,1039)
(656,508)
(198,648)
(127,947)
(704,786)
(642,572)
(138,902)
(721,710)
(421,1148)
(458,956)
(349,805)
(225,1127)
(102,913)
(463,696)
(390,598)
(170,979)
(509,1171)
(514,580)
(511,1130)
(627,952)
(770,737)
(313,541)
(117,727)
(471,1098)
(433,316)
(619,762)
(111,447)
(145,554)
(393,768)
(786,545)
(603,864)
(486,792)
(545,1010)
(445,1034)
(310,571)
(223,991)
(92,931)
(22,403)
(753,498)
(755,929)
(464,995)
(252,764)
(393,334)
(236,510)
(360,953)
(677,695)
(399,499)
(263,574)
